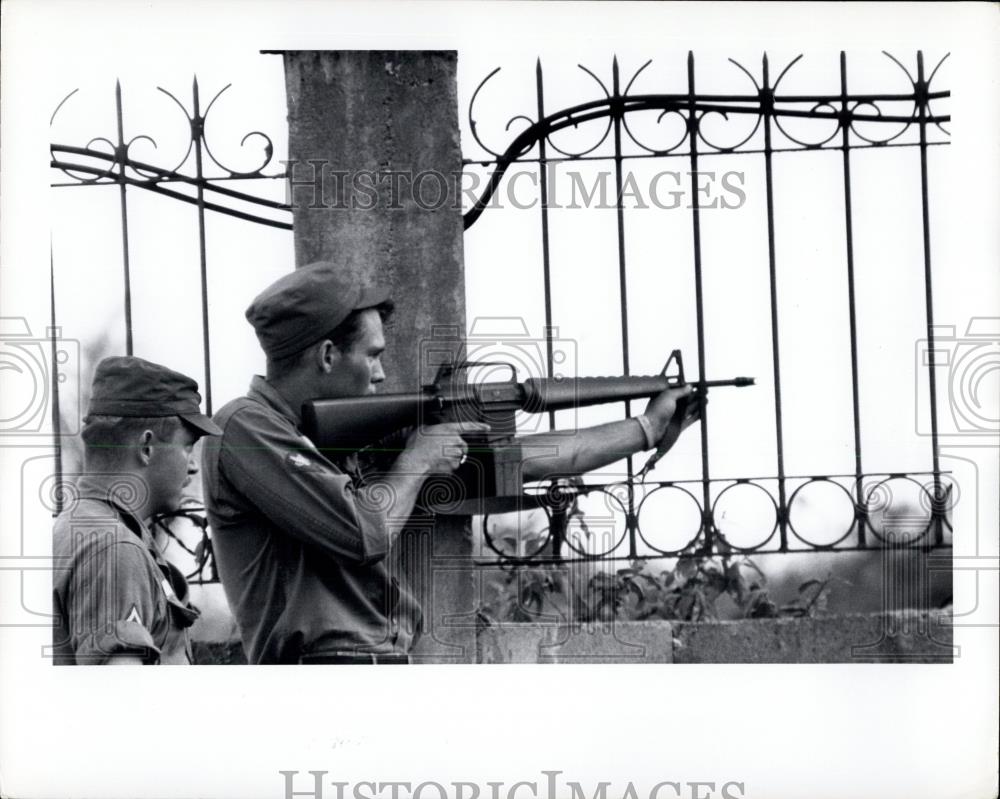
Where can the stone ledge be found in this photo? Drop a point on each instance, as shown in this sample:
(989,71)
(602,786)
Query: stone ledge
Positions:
(900,637)
(618,642)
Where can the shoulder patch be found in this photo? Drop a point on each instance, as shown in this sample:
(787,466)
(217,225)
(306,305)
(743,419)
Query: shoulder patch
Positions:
(296,460)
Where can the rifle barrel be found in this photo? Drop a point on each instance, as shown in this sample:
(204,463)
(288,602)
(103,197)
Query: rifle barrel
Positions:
(554,394)
(737,382)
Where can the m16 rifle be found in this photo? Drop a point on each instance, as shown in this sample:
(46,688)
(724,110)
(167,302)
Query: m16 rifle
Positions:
(491,478)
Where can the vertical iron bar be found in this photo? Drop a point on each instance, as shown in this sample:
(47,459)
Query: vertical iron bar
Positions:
(707,523)
(197,132)
(546,274)
(920,91)
(56,421)
(617,110)
(120,157)
(767,109)
(849,234)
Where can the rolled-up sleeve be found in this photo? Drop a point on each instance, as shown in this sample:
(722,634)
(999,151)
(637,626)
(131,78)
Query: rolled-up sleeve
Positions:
(112,601)
(300,491)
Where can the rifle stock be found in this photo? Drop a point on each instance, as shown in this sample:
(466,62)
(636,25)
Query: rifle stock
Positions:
(349,424)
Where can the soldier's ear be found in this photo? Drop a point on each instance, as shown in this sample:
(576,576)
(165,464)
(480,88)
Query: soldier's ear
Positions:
(144,449)
(327,356)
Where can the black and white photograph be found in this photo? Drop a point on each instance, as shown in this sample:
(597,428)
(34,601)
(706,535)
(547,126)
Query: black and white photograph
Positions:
(629,371)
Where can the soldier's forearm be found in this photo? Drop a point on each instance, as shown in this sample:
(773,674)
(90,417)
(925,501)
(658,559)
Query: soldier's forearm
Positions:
(583,451)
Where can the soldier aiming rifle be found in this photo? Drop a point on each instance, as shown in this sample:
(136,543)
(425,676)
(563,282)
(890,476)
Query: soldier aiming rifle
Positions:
(300,539)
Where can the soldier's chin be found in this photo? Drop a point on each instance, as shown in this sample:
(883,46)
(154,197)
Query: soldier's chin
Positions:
(169,507)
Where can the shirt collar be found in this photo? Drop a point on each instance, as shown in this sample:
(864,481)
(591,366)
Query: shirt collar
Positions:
(264,392)
(89,488)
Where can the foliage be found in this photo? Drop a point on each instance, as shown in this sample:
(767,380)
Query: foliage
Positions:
(692,590)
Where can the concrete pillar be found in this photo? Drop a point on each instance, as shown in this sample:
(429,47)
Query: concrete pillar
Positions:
(375,163)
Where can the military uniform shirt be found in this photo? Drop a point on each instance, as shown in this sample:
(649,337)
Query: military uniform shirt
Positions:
(113,593)
(301,556)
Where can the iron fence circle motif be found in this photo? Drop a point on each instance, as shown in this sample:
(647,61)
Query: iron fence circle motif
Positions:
(700,127)
(812,144)
(742,486)
(268,144)
(604,135)
(914,527)
(878,110)
(618,496)
(940,496)
(813,117)
(841,494)
(657,501)
(560,495)
(685,125)
(516,520)
(579,523)
(854,109)
(112,158)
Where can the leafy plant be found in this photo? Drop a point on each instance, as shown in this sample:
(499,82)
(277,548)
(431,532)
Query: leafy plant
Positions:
(690,591)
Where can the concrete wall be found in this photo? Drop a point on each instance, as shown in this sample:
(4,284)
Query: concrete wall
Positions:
(381,112)
(900,637)
(389,120)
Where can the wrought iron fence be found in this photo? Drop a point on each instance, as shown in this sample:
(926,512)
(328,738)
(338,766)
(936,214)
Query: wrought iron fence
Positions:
(198,172)
(204,181)
(852,118)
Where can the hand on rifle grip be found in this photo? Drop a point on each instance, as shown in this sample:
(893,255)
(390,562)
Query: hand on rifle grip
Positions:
(440,448)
